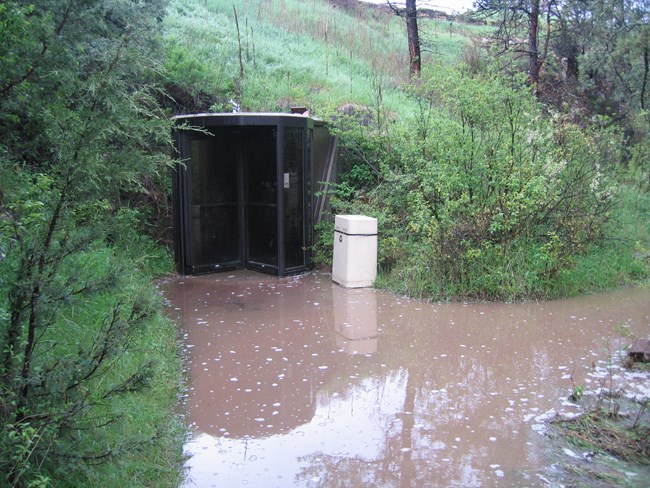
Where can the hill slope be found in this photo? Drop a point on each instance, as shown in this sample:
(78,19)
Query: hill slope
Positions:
(310,52)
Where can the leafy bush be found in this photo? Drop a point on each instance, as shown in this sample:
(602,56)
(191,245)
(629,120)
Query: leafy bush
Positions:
(82,339)
(482,193)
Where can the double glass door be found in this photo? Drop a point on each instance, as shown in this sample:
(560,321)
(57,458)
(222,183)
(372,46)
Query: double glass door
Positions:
(243,209)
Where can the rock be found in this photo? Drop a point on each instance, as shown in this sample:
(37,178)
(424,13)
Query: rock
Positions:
(640,351)
(351,111)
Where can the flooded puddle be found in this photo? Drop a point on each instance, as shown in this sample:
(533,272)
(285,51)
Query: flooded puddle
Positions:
(299,382)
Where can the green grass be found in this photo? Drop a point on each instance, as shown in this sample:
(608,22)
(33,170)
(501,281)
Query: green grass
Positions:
(296,53)
(150,416)
(147,433)
(132,437)
(623,258)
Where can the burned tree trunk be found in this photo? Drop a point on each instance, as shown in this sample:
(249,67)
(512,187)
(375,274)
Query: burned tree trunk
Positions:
(514,13)
(410,14)
(533,51)
(415,62)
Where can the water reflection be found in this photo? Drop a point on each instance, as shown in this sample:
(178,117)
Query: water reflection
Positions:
(256,354)
(298,382)
(355,319)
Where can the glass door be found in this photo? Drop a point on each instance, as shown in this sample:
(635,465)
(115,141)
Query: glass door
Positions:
(213,218)
(260,199)
(295,245)
(243,198)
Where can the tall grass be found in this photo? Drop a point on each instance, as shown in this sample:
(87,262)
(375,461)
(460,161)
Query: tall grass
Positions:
(144,439)
(295,53)
(623,258)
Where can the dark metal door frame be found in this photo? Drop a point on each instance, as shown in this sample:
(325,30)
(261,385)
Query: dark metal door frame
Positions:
(251,126)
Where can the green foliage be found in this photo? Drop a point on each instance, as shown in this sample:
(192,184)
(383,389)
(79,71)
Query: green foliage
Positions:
(82,341)
(294,52)
(322,248)
(614,41)
(576,393)
(481,194)
(624,256)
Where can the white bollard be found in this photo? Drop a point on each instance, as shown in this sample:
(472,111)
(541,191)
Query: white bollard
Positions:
(355,251)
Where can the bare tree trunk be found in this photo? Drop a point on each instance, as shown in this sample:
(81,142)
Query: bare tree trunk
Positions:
(415,63)
(533,50)
(241,64)
(645,76)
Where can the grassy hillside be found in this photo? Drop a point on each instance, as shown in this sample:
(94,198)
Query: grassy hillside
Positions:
(294,52)
(481,189)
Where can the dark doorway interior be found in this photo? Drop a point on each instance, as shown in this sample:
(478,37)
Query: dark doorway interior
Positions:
(243,196)
(233,190)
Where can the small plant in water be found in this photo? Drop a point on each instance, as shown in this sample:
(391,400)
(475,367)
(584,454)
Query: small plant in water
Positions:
(613,431)
(578,390)
(576,393)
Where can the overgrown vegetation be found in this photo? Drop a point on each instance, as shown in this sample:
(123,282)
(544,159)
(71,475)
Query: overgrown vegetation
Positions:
(483,187)
(294,52)
(612,434)
(483,193)
(485,190)
(88,365)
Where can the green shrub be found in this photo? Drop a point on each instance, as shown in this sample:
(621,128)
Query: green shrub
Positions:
(88,366)
(484,194)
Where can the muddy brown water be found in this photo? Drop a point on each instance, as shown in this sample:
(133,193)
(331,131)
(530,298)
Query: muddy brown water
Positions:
(299,382)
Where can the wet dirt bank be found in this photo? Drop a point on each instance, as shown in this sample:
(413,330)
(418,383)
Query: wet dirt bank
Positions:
(299,382)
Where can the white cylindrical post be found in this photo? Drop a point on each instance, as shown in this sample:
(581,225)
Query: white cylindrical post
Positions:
(355,251)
